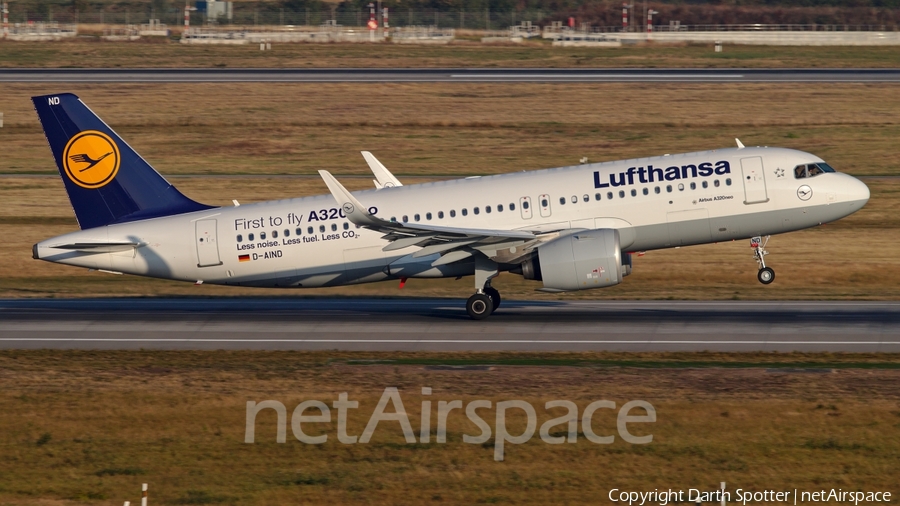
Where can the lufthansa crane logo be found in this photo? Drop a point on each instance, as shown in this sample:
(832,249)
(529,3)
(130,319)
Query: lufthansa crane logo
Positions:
(91,159)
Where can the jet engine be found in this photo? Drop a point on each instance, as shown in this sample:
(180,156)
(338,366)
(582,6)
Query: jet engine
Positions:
(579,261)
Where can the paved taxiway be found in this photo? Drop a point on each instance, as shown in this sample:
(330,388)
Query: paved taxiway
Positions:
(199,75)
(442,325)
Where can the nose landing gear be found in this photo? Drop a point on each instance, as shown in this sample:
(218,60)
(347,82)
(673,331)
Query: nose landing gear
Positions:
(766,274)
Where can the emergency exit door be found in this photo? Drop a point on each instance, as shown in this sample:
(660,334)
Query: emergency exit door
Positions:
(544,201)
(207,245)
(525,207)
(754,178)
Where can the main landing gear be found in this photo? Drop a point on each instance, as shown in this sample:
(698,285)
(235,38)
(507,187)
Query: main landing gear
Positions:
(766,274)
(486,298)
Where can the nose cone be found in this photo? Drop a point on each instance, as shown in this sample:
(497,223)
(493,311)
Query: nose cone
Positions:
(857,192)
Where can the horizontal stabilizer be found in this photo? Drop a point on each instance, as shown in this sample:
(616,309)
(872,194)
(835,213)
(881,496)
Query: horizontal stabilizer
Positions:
(98,247)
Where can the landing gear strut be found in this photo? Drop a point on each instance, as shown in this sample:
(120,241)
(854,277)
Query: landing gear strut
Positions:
(766,274)
(486,298)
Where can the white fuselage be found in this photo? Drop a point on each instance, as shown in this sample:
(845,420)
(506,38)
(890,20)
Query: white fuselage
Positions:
(307,242)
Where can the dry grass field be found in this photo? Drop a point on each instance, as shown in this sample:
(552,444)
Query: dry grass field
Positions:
(425,132)
(89,427)
(462,53)
(441,130)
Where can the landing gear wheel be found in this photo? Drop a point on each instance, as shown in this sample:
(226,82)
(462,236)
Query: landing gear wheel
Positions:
(479,306)
(766,275)
(494,294)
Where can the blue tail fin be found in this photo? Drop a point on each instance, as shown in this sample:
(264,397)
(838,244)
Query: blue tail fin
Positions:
(106,180)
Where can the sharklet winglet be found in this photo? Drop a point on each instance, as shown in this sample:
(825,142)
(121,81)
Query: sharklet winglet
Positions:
(383,177)
(357,213)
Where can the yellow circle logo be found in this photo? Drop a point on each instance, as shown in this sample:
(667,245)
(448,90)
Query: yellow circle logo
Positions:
(91,159)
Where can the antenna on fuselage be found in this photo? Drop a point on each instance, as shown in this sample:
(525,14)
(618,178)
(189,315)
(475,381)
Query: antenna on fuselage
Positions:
(739,143)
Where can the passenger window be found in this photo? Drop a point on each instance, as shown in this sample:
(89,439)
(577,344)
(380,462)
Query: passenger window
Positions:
(705,184)
(656,190)
(240,238)
(346,226)
(633,192)
(393,219)
(405,218)
(487,209)
(728,182)
(428,216)
(416,217)
(262,236)
(499,208)
(453,213)
(287,232)
(274,234)
(681,187)
(321,228)
(334,227)
(249,237)
(309,230)
(716,183)
(299,231)
(646,191)
(669,188)
(562,201)
(693,186)
(621,194)
(512,206)
(574,199)
(465,212)
(586,198)
(476,210)
(525,205)
(596,196)
(440,215)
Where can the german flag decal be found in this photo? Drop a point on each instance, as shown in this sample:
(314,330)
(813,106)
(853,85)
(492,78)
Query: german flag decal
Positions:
(243,258)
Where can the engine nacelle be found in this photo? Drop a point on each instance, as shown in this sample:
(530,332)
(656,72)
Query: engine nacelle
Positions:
(583,260)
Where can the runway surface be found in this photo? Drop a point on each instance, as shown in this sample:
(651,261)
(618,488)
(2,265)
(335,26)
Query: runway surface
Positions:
(442,325)
(448,75)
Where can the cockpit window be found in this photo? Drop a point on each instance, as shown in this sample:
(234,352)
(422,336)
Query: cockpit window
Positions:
(811,170)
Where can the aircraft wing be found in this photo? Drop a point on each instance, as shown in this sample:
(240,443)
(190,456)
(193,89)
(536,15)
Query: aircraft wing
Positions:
(452,243)
(383,177)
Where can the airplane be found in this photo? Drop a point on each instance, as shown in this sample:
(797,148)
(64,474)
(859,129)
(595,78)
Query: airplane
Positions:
(570,228)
